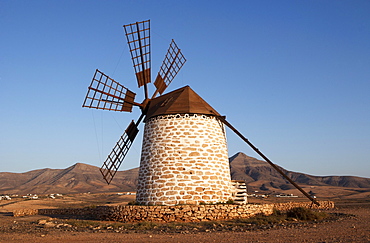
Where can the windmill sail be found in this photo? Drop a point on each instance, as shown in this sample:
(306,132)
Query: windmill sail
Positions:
(138,40)
(116,157)
(172,63)
(107,94)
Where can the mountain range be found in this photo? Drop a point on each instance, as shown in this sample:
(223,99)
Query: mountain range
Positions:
(252,170)
(258,174)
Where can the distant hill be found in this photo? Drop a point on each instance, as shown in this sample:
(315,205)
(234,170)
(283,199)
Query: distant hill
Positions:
(260,175)
(77,178)
(80,178)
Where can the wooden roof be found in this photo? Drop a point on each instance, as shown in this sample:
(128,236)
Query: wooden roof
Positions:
(180,101)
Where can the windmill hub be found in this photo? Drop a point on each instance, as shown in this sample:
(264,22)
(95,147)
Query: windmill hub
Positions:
(144,105)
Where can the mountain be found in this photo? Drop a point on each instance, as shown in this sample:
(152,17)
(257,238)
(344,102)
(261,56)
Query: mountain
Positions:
(77,178)
(260,175)
(80,178)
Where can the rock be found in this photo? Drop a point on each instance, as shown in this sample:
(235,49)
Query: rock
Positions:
(49,225)
(42,221)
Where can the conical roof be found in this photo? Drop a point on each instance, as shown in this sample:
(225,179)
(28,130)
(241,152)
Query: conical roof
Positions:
(180,101)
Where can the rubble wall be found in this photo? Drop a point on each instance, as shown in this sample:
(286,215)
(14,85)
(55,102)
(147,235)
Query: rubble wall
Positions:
(289,205)
(181,213)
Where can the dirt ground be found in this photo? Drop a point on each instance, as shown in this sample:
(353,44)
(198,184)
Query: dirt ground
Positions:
(354,227)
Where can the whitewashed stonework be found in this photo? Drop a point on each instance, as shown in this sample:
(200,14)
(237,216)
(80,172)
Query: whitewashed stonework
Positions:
(184,160)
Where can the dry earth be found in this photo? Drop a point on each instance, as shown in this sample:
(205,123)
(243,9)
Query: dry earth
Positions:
(354,226)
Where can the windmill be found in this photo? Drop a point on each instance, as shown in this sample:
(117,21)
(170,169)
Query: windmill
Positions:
(184,158)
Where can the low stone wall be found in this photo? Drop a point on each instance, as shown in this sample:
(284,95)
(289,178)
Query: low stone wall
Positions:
(88,212)
(25,212)
(290,205)
(185,213)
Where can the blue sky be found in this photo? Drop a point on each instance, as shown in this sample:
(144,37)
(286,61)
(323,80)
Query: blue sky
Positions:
(292,76)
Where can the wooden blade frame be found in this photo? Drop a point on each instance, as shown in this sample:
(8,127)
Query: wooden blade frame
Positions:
(107,94)
(138,40)
(172,63)
(267,160)
(116,157)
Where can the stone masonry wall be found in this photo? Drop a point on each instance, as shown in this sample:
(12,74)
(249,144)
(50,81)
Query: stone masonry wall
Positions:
(25,212)
(184,213)
(290,205)
(184,160)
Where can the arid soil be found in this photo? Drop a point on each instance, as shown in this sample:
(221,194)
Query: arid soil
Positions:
(350,223)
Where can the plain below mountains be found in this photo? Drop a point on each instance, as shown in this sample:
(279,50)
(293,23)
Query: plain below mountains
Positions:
(259,176)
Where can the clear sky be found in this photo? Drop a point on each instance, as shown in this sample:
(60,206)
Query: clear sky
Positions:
(292,76)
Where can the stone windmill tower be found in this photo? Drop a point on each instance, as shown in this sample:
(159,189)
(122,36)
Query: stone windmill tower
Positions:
(184,157)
